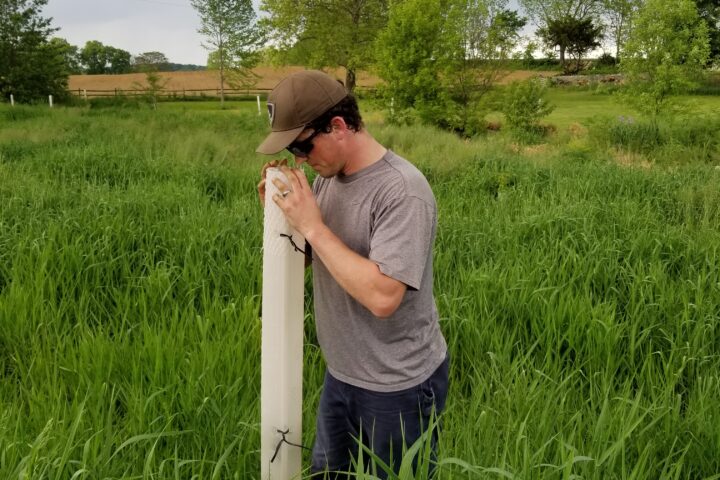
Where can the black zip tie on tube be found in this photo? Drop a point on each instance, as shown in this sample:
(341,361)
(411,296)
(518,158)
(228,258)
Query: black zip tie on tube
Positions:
(294,245)
(285,440)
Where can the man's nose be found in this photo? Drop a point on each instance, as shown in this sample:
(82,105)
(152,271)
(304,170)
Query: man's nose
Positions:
(299,160)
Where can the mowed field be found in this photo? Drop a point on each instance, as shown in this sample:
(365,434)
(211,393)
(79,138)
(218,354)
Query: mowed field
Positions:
(268,77)
(579,294)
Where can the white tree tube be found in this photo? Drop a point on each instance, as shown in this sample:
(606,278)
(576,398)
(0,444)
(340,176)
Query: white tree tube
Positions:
(282,342)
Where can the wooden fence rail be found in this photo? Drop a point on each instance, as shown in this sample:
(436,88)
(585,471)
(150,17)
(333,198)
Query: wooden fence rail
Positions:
(180,93)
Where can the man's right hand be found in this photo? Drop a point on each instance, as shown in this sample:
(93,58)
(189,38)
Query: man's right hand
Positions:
(261,185)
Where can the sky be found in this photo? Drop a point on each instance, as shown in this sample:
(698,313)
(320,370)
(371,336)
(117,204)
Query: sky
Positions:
(167,26)
(137,26)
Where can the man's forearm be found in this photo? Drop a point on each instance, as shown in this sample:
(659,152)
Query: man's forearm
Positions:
(360,277)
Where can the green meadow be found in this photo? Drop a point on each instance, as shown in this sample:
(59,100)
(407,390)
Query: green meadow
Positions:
(577,279)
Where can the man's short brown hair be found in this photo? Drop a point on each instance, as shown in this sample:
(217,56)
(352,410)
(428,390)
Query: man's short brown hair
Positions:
(347,108)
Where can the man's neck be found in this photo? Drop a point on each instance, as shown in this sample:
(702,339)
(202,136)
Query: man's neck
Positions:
(363,150)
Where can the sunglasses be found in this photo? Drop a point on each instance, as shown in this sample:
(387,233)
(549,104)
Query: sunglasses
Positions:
(302,148)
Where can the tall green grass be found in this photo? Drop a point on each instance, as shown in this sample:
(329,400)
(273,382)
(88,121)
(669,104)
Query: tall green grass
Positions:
(580,300)
(686,138)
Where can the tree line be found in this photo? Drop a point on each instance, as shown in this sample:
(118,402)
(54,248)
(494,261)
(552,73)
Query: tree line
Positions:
(438,58)
(95,58)
(344,32)
(34,63)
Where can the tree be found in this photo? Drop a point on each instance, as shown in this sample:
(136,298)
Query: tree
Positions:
(150,63)
(666,53)
(481,34)
(94,58)
(213,61)
(618,15)
(70,53)
(232,32)
(524,105)
(710,12)
(573,36)
(154,84)
(118,60)
(32,67)
(542,12)
(326,33)
(406,57)
(506,27)
(155,60)
(102,59)
(439,59)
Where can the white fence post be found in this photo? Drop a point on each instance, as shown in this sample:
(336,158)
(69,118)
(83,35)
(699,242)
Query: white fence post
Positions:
(12,100)
(50,100)
(85,94)
(282,343)
(258,102)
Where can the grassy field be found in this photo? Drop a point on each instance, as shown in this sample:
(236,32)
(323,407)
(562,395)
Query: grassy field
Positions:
(582,106)
(580,297)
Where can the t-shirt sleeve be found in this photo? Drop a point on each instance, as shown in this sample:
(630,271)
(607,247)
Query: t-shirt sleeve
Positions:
(402,238)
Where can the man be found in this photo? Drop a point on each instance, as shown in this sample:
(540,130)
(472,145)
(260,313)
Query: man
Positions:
(369,220)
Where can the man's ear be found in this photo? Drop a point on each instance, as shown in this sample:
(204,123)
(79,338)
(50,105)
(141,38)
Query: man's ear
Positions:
(338,124)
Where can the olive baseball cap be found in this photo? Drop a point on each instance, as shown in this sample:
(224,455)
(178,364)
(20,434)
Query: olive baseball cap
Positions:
(295,102)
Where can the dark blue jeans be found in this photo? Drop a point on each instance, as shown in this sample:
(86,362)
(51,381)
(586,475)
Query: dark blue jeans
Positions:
(382,420)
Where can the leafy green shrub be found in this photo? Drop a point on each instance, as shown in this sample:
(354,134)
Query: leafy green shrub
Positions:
(606,60)
(665,55)
(436,66)
(604,64)
(606,88)
(528,62)
(525,105)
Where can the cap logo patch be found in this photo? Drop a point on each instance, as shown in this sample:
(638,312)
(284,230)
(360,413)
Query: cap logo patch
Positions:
(271,112)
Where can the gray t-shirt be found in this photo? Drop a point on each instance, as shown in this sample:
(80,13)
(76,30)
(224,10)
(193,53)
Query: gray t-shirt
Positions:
(385,212)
